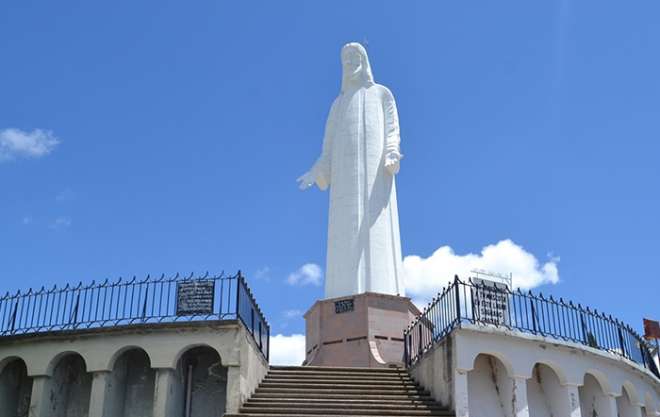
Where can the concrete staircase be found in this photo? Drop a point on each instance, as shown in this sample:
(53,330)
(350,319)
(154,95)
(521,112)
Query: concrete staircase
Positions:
(307,391)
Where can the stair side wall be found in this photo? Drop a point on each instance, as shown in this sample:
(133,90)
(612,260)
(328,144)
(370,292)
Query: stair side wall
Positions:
(435,370)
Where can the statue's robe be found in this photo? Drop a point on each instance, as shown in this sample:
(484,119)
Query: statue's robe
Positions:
(364,245)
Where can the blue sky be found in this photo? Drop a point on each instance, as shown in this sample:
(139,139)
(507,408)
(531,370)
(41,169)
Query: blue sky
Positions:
(172,134)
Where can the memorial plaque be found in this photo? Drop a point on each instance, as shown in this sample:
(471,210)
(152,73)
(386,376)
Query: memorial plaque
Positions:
(651,329)
(344,306)
(491,301)
(195,297)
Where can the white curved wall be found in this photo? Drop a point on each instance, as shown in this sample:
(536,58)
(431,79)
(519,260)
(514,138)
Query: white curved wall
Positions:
(106,386)
(626,407)
(491,390)
(131,386)
(545,395)
(15,389)
(593,400)
(70,388)
(481,371)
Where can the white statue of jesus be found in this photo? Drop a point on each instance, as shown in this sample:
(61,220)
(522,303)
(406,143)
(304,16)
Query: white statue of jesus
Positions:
(359,160)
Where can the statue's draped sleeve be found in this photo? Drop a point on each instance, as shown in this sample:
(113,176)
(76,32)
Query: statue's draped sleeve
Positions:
(322,168)
(391,119)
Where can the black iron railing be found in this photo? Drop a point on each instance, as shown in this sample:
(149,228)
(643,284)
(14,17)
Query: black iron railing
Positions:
(134,301)
(479,303)
(250,314)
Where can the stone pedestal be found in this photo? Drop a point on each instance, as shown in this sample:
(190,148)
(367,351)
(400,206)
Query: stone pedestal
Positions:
(364,330)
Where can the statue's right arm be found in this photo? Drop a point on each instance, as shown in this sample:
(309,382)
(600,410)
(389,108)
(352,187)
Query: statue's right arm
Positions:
(323,168)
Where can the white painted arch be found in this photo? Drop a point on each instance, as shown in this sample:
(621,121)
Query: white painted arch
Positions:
(570,361)
(100,348)
(556,368)
(113,359)
(633,395)
(59,356)
(7,360)
(520,352)
(164,345)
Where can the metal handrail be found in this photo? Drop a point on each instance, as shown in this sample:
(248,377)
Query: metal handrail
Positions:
(253,319)
(477,303)
(127,302)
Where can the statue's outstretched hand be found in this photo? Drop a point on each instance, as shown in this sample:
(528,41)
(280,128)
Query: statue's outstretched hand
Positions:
(392,162)
(306,180)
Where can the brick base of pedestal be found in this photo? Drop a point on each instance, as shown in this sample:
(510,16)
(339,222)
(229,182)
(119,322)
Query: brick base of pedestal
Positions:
(364,330)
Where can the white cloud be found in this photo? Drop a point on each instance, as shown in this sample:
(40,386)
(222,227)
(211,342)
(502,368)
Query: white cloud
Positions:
(16,143)
(65,195)
(425,277)
(308,274)
(263,274)
(292,314)
(61,223)
(287,350)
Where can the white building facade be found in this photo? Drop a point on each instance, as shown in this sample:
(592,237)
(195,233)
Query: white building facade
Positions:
(496,353)
(191,347)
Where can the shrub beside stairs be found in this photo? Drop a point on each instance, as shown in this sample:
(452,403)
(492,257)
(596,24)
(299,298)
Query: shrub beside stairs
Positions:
(302,391)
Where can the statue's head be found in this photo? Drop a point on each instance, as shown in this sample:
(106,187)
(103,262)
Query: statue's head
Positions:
(355,65)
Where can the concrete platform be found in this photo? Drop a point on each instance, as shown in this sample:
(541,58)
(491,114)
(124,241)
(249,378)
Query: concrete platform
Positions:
(364,330)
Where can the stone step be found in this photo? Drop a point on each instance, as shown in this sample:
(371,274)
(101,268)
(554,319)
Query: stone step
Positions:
(335,375)
(344,371)
(307,382)
(346,405)
(298,394)
(318,391)
(337,368)
(320,415)
(332,386)
(420,401)
(339,390)
(342,411)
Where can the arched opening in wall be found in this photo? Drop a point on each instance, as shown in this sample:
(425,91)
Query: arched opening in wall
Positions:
(70,388)
(593,400)
(490,388)
(625,406)
(651,404)
(545,394)
(644,413)
(131,386)
(15,389)
(202,384)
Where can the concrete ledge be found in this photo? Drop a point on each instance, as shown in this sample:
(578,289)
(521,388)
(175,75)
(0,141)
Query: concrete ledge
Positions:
(124,328)
(479,367)
(558,343)
(96,368)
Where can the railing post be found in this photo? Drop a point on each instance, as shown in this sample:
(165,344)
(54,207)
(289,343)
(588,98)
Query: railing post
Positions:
(74,315)
(144,307)
(261,345)
(405,348)
(239,281)
(267,343)
(621,342)
(13,317)
(458,299)
(473,311)
(533,309)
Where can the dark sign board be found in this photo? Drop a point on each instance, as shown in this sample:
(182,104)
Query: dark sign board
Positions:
(651,329)
(344,306)
(195,297)
(491,301)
